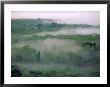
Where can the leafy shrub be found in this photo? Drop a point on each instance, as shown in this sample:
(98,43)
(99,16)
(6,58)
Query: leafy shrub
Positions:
(24,54)
(15,71)
(35,73)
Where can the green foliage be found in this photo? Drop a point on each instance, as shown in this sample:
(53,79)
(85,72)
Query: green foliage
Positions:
(15,71)
(40,25)
(79,38)
(24,54)
(83,58)
(56,70)
(35,60)
(33,25)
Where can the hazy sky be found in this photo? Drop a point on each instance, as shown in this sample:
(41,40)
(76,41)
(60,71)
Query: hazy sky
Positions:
(75,17)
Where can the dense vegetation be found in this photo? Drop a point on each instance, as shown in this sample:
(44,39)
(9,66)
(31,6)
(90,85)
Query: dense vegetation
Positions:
(52,55)
(39,25)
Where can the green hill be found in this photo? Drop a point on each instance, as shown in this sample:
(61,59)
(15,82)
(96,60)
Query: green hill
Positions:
(40,25)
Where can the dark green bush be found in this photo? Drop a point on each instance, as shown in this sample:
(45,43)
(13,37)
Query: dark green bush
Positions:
(15,71)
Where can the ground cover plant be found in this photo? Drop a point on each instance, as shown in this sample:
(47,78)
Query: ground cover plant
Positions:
(50,49)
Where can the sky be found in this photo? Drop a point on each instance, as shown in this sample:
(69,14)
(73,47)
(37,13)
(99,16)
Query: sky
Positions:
(73,17)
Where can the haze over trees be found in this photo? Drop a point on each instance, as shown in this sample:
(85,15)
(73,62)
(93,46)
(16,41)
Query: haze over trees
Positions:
(47,48)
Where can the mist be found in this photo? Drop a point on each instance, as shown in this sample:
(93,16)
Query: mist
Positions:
(73,17)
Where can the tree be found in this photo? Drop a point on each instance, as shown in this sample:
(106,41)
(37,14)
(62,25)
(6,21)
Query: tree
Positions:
(38,56)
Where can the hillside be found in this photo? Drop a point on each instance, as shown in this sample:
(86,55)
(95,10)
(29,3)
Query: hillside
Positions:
(40,25)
